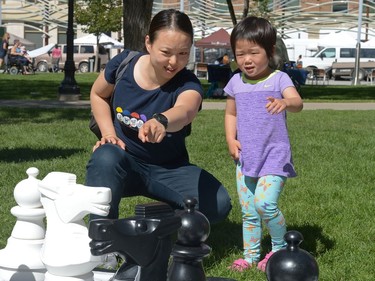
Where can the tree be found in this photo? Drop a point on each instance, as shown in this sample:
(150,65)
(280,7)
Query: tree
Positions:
(231,12)
(258,8)
(99,16)
(137,18)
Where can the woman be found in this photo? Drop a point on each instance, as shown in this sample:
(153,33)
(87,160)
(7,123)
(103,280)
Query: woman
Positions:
(4,48)
(143,152)
(19,56)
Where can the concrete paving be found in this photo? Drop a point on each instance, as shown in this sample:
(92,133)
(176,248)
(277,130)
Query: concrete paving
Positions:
(309,106)
(206,105)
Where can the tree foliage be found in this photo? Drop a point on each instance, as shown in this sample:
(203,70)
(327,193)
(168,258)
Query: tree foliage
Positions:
(99,16)
(258,8)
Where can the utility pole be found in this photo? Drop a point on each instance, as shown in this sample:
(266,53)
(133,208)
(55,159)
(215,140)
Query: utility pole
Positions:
(358,46)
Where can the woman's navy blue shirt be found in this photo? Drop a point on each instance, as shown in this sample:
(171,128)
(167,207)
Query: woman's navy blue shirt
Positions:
(133,106)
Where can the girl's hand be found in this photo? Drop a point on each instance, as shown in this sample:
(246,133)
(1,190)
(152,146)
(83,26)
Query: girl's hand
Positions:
(234,148)
(275,105)
(109,139)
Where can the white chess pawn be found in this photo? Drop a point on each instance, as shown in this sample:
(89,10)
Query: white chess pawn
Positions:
(66,251)
(20,259)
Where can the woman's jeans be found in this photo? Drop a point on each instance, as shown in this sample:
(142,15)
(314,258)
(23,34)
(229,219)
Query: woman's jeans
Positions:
(112,167)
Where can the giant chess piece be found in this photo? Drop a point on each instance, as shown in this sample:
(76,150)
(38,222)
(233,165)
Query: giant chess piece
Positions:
(189,250)
(145,241)
(20,259)
(66,251)
(292,263)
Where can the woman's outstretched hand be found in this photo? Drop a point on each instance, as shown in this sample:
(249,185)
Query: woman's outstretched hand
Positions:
(152,131)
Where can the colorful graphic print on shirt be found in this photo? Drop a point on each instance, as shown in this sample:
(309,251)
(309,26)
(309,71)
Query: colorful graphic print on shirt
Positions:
(132,120)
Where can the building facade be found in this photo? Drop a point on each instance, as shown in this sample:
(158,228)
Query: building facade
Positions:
(45,21)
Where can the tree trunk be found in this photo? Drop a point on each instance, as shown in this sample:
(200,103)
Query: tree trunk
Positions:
(96,62)
(231,11)
(246,4)
(137,18)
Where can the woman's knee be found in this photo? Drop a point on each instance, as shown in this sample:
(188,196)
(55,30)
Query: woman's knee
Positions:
(106,156)
(219,206)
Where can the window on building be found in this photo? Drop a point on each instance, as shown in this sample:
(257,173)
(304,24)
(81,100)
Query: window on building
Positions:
(339,6)
(61,35)
(34,35)
(293,3)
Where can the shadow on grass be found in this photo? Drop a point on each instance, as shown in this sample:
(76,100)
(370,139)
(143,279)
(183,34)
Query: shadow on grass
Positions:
(314,240)
(227,236)
(42,115)
(224,238)
(38,89)
(19,155)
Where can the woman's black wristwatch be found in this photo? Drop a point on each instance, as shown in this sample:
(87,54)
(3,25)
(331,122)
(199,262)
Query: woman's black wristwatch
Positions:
(161,119)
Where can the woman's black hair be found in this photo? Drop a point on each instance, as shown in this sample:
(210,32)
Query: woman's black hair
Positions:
(170,19)
(257,30)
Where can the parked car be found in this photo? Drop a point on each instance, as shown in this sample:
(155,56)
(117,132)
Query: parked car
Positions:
(340,54)
(82,54)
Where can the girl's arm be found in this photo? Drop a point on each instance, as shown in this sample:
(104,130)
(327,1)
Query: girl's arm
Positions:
(230,122)
(291,102)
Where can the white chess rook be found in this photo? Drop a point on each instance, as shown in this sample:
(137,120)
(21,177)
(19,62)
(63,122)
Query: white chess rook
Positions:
(66,252)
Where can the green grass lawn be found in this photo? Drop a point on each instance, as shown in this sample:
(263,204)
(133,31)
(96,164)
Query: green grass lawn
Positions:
(44,86)
(330,202)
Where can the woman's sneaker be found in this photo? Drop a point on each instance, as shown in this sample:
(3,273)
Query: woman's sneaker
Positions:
(262,264)
(240,265)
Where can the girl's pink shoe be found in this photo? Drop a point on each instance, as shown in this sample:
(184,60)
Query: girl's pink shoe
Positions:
(240,265)
(262,264)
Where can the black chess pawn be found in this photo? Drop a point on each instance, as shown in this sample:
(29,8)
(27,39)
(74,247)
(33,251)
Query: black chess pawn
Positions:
(292,263)
(189,250)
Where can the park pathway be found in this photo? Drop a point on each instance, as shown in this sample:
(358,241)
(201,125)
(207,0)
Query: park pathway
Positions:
(205,106)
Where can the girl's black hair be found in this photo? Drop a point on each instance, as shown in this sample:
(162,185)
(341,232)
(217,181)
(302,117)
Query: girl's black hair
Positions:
(257,30)
(170,19)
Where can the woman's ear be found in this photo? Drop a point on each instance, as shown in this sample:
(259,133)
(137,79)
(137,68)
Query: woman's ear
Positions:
(147,43)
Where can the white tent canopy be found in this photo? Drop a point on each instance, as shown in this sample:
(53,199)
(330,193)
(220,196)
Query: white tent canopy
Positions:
(104,39)
(40,51)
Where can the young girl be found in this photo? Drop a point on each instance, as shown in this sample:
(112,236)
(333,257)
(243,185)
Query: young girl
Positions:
(257,137)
